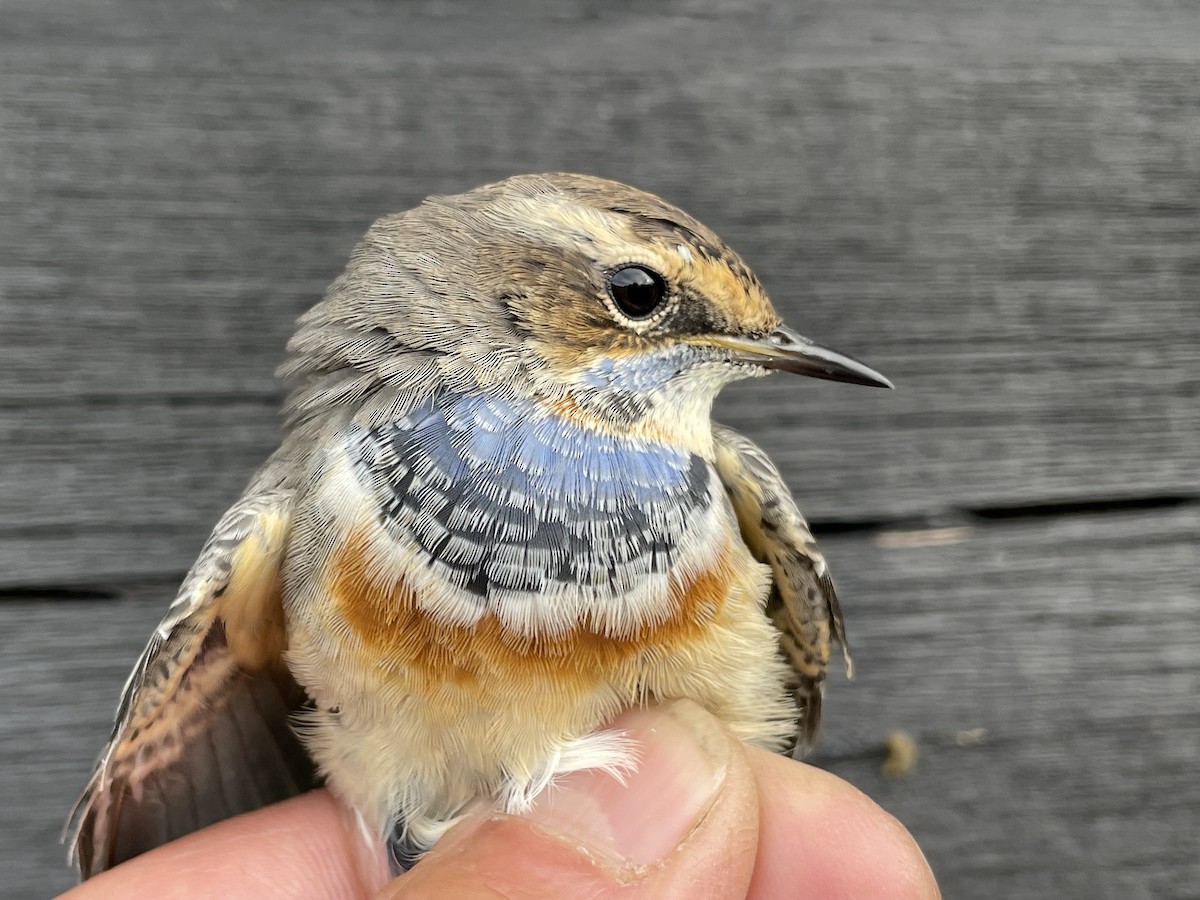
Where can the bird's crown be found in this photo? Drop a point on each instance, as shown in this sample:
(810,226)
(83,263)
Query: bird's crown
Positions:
(559,284)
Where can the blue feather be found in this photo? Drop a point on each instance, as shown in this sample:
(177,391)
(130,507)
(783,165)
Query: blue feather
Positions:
(515,480)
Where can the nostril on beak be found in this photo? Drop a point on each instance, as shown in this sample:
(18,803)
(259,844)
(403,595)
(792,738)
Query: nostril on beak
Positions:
(781,338)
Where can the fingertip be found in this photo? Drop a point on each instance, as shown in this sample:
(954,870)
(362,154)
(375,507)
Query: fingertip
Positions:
(821,837)
(489,856)
(684,824)
(309,846)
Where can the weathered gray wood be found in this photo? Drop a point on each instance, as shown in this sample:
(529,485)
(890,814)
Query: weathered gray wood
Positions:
(996,206)
(994,203)
(1070,642)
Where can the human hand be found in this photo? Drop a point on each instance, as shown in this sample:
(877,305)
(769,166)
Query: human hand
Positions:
(703,816)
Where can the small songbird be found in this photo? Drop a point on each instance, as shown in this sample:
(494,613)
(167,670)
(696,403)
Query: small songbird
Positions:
(500,514)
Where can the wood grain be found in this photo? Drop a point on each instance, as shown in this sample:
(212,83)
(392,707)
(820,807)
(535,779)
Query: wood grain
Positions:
(995,204)
(1046,669)
(1010,236)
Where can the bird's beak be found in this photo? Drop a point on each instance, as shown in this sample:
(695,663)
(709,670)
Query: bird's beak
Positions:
(788,351)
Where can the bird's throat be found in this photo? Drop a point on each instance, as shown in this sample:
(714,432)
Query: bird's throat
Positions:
(506,498)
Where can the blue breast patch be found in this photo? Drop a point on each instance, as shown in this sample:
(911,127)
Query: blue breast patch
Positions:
(504,495)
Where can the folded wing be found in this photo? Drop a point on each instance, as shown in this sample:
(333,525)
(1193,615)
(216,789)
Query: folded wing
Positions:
(803,603)
(202,731)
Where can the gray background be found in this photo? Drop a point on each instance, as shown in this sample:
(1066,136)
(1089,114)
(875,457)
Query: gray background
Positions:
(995,203)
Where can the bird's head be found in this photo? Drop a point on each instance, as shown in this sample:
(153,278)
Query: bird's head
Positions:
(574,288)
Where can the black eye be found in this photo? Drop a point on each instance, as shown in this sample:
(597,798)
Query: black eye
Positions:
(637,291)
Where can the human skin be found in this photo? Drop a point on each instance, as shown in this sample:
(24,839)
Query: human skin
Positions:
(702,816)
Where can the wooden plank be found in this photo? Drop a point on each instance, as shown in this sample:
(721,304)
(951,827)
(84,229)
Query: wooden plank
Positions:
(995,205)
(134,489)
(1047,670)
(1060,650)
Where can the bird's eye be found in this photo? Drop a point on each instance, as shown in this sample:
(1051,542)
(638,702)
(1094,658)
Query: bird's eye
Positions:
(637,291)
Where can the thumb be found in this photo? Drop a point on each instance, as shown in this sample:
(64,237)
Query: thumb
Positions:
(684,824)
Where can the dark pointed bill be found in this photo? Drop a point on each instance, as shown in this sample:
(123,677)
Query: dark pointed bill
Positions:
(788,351)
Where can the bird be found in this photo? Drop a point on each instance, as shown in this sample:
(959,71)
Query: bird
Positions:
(500,514)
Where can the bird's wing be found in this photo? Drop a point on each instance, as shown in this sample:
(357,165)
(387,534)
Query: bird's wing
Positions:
(803,604)
(202,731)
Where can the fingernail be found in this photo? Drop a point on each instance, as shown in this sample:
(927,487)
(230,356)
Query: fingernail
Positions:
(682,758)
